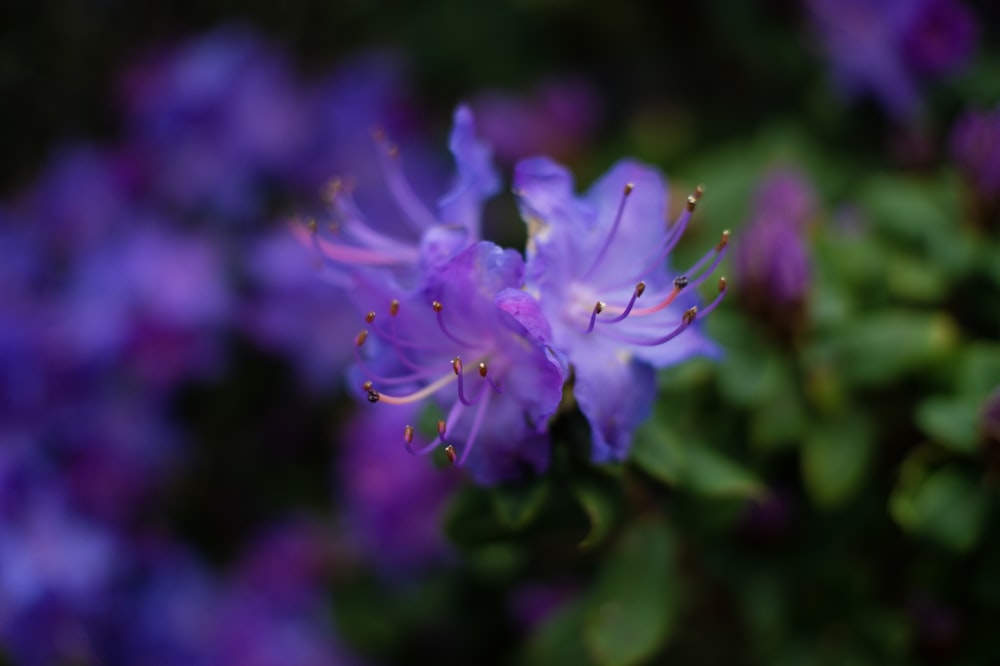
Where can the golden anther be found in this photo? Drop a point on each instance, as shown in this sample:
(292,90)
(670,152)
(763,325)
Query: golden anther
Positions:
(723,242)
(408,434)
(437,306)
(441,427)
(599,307)
(456,365)
(482,369)
(690,315)
(362,336)
(394,307)
(722,284)
(370,317)
(628,189)
(367,386)
(450,452)
(639,289)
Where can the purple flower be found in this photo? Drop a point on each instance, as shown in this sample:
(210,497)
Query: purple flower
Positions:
(989,421)
(478,344)
(886,48)
(393,505)
(414,240)
(975,147)
(151,296)
(293,312)
(589,261)
(215,118)
(553,120)
(773,262)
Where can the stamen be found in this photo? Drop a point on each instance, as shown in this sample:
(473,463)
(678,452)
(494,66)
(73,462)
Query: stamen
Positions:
(719,251)
(348,254)
(483,369)
(442,426)
(450,452)
(407,200)
(456,365)
(477,421)
(367,386)
(408,435)
(598,309)
(416,396)
(614,229)
(636,293)
(438,307)
(361,337)
(394,307)
(370,317)
(674,235)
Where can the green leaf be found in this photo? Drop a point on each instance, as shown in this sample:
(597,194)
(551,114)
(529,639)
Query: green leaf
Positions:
(708,472)
(600,503)
(559,641)
(980,372)
(635,602)
(659,451)
(881,346)
(515,505)
(944,506)
(951,422)
(835,459)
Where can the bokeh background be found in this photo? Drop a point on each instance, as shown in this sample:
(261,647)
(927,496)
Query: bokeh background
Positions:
(185,479)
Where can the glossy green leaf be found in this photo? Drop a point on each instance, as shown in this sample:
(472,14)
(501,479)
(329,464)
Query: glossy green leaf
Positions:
(688,464)
(951,422)
(517,504)
(835,460)
(634,606)
(600,503)
(945,505)
(881,346)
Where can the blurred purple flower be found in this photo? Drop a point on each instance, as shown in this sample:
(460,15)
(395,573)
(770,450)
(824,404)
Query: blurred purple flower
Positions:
(886,48)
(975,147)
(772,261)
(414,241)
(155,298)
(215,119)
(553,120)
(290,310)
(393,505)
(56,567)
(270,611)
(589,260)
(472,318)
(989,420)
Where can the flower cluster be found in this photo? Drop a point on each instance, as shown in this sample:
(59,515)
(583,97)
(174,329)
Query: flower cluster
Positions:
(492,338)
(887,49)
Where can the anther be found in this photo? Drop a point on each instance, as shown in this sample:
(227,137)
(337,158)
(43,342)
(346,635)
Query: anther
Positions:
(392,150)
(599,307)
(367,386)
(639,289)
(362,336)
(408,434)
(437,306)
(370,317)
(628,189)
(692,201)
(722,284)
(723,242)
(333,228)
(689,315)
(456,365)
(373,396)
(312,225)
(332,190)
(441,427)
(681,281)
(394,307)
(483,369)
(450,452)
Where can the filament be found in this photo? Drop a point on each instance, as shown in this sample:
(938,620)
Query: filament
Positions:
(416,396)
(415,210)
(614,229)
(477,421)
